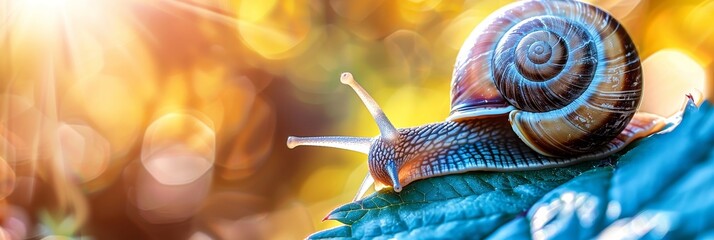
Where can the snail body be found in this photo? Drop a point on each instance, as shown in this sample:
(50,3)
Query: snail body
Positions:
(537,84)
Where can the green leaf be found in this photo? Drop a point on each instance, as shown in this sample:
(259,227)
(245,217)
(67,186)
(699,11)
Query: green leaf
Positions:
(575,210)
(514,230)
(337,232)
(658,162)
(470,205)
(667,182)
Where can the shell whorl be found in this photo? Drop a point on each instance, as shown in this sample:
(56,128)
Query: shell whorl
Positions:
(567,72)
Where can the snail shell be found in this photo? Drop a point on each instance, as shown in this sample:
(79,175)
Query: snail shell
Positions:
(537,84)
(567,72)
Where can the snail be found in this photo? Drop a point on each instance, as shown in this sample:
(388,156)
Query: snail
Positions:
(537,84)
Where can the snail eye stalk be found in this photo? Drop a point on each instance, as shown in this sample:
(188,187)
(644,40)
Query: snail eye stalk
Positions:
(387,130)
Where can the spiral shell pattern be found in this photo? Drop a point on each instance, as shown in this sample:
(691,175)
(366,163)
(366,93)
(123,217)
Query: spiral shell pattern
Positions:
(567,72)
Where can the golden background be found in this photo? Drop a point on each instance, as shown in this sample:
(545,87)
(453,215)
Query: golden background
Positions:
(168,119)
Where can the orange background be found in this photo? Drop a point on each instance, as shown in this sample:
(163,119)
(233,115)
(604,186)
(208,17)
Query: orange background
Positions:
(168,119)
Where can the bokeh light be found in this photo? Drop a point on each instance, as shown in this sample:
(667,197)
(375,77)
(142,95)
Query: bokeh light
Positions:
(168,118)
(670,74)
(7,179)
(178,149)
(84,151)
(16,223)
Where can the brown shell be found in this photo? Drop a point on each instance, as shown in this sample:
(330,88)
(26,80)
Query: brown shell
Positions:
(567,72)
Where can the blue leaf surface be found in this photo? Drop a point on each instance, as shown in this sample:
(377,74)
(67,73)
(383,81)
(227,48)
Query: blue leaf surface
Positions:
(574,210)
(461,206)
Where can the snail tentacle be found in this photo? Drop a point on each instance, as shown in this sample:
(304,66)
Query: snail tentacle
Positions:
(394,175)
(357,144)
(387,130)
(364,187)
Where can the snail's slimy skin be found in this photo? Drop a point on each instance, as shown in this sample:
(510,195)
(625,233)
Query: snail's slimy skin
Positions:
(452,147)
(486,144)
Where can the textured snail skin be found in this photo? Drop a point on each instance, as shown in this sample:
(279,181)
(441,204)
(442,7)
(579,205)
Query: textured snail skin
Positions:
(451,147)
(479,144)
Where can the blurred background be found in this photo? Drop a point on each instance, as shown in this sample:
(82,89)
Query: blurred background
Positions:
(129,119)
